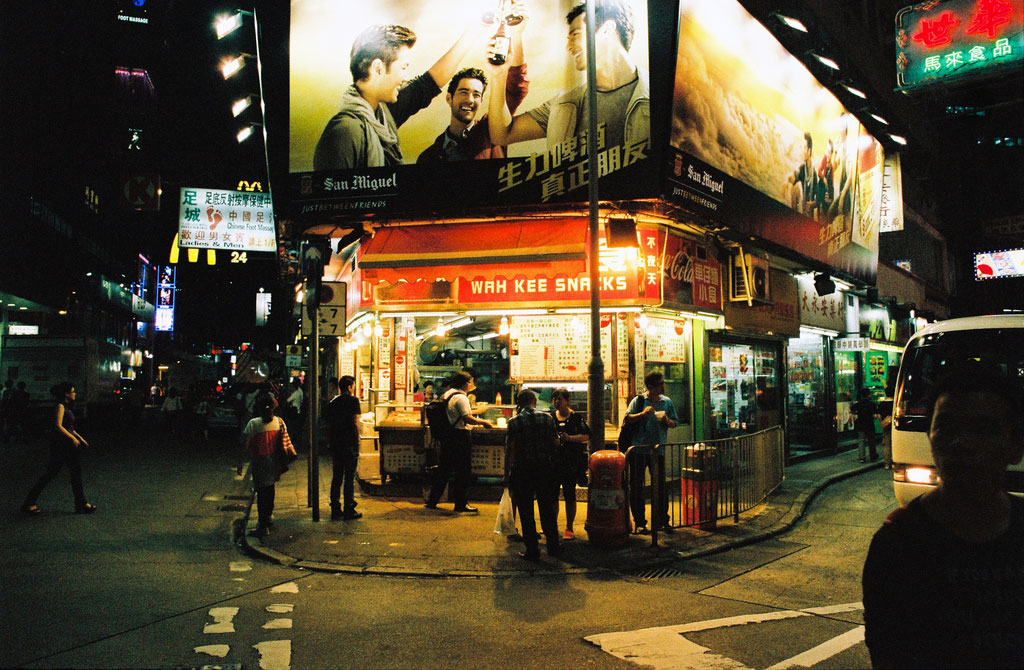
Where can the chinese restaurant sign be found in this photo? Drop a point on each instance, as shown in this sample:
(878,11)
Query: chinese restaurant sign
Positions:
(953,39)
(999,264)
(760,146)
(354,152)
(823,311)
(691,277)
(210,219)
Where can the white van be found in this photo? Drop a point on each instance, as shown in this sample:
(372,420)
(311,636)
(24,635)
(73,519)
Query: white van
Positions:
(994,340)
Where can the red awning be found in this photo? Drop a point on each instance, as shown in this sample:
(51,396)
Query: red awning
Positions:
(476,250)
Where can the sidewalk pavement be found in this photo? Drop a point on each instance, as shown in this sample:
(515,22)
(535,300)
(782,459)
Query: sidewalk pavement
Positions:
(397,535)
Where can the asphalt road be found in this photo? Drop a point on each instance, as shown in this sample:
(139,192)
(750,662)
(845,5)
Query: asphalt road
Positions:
(153,581)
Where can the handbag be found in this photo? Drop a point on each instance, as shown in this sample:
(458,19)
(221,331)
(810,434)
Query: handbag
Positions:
(282,457)
(505,523)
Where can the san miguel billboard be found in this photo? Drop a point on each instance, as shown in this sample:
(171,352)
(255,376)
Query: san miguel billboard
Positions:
(760,146)
(381,124)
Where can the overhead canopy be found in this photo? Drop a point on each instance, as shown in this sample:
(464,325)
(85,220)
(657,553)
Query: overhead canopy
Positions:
(476,250)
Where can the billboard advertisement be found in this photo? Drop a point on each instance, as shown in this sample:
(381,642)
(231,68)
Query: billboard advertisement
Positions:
(759,145)
(379,123)
(999,264)
(237,220)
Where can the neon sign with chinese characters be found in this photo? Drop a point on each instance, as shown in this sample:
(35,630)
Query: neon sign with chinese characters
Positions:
(956,38)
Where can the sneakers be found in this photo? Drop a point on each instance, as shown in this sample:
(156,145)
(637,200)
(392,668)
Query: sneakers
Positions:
(352,514)
(260,531)
(337,514)
(568,534)
(467,509)
(85,509)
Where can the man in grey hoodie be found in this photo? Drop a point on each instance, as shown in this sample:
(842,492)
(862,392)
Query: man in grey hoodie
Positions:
(364,133)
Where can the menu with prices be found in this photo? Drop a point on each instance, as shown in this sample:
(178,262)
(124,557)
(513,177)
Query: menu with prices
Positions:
(555,347)
(666,340)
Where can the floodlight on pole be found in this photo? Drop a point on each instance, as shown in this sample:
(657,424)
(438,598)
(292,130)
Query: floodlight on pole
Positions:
(827,62)
(795,24)
(229,23)
(231,66)
(246,132)
(241,105)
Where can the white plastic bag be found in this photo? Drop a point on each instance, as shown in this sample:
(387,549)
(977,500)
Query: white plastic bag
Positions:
(505,524)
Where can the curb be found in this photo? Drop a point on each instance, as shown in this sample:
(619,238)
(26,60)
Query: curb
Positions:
(798,509)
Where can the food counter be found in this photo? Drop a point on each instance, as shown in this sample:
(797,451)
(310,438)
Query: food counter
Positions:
(404,439)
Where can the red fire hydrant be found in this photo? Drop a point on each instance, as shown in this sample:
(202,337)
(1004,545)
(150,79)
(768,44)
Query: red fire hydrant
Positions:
(607,512)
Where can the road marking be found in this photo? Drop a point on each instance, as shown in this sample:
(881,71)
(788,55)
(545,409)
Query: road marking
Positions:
(275,654)
(218,650)
(665,647)
(274,624)
(280,608)
(222,616)
(823,651)
(290,587)
(241,566)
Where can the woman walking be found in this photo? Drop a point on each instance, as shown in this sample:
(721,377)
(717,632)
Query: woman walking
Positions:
(65,447)
(573,435)
(263,436)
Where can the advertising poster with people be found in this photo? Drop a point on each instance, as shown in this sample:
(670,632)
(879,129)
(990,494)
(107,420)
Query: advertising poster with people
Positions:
(760,145)
(409,105)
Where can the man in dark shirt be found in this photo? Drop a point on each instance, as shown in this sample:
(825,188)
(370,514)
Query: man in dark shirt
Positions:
(343,435)
(532,466)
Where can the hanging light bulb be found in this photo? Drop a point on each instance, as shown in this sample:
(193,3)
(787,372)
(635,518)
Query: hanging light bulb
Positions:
(441,330)
(378,330)
(503,326)
(642,321)
(367,329)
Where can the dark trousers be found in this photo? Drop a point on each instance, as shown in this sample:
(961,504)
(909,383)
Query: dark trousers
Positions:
(345,460)
(524,486)
(62,453)
(455,458)
(265,504)
(638,463)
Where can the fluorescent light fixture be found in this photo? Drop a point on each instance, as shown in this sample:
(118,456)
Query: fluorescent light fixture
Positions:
(241,105)
(485,336)
(226,25)
(856,91)
(898,139)
(358,321)
(878,118)
(885,346)
(792,23)
(509,312)
(827,62)
(458,323)
(814,330)
(555,385)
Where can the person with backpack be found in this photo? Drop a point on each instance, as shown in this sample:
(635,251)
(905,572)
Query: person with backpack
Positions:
(534,462)
(451,429)
(653,414)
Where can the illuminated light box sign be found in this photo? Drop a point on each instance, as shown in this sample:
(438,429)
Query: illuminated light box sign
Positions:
(165,299)
(212,219)
(941,41)
(338,165)
(759,145)
(999,264)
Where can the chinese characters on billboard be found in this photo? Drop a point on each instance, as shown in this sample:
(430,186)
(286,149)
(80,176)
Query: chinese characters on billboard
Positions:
(211,219)
(402,105)
(953,39)
(761,146)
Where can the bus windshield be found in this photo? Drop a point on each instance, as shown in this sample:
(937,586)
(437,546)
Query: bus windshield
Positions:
(929,357)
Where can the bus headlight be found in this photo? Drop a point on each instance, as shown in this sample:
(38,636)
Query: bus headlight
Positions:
(915,474)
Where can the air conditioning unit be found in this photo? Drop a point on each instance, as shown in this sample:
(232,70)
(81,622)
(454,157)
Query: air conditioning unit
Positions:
(748,278)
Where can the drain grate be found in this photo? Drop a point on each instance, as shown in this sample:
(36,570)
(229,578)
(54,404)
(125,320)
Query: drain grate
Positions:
(658,573)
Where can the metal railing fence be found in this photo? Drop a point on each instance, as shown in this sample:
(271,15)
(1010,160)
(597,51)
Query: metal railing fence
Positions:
(697,483)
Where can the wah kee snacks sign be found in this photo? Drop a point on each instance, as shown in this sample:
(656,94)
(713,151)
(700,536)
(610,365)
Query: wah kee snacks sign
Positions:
(377,123)
(211,219)
(759,145)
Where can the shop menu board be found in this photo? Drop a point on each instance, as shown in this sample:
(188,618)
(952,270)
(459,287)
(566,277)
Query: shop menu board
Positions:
(555,347)
(665,341)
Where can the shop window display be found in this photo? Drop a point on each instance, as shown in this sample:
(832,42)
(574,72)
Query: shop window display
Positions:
(846,390)
(744,388)
(807,410)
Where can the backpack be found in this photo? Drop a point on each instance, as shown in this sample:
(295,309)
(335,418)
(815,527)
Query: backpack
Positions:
(628,430)
(436,411)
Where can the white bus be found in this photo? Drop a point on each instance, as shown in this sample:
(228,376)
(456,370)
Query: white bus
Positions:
(996,341)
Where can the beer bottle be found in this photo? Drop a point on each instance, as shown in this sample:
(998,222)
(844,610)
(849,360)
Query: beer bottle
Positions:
(500,45)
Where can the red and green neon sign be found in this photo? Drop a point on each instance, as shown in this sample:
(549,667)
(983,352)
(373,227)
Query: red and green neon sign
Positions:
(940,40)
